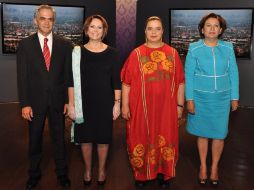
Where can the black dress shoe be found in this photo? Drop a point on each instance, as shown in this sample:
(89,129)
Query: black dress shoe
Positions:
(140,184)
(64,181)
(87,183)
(32,182)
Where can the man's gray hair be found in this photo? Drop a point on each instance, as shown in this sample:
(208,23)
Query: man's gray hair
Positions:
(36,13)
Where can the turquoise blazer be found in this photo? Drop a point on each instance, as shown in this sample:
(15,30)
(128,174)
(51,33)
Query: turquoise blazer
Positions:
(211,69)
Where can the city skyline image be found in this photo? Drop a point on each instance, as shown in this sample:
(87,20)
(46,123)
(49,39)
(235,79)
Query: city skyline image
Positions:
(17,23)
(184,28)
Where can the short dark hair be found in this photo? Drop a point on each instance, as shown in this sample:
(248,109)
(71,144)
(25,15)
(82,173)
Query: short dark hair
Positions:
(221,20)
(102,19)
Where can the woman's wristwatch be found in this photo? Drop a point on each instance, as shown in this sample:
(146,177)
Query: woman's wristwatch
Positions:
(118,100)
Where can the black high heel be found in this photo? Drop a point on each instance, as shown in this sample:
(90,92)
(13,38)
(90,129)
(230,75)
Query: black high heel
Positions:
(87,183)
(214,182)
(101,175)
(101,183)
(202,181)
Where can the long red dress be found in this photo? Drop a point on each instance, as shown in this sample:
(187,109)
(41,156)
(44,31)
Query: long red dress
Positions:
(153,75)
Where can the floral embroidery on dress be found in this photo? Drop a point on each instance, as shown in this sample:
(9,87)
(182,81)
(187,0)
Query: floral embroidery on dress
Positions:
(161,141)
(149,67)
(161,147)
(168,153)
(158,63)
(167,65)
(137,162)
(152,156)
(137,154)
(139,150)
(157,56)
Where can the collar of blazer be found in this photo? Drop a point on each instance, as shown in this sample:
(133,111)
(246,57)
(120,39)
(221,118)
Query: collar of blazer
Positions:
(56,46)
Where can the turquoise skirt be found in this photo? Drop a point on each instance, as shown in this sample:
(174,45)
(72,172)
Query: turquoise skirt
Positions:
(211,115)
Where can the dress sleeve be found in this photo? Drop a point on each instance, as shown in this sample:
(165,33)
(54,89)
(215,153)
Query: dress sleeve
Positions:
(190,66)
(179,70)
(116,72)
(128,69)
(234,76)
(69,67)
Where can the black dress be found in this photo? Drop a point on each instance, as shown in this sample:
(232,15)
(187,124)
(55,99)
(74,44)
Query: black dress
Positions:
(100,76)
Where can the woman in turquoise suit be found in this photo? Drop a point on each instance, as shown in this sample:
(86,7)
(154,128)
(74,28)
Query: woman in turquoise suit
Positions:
(212,87)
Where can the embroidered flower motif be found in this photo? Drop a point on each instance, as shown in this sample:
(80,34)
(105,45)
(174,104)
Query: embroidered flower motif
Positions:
(161,141)
(152,156)
(167,65)
(168,153)
(149,67)
(137,162)
(157,56)
(139,150)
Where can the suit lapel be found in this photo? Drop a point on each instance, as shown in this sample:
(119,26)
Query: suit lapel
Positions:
(38,53)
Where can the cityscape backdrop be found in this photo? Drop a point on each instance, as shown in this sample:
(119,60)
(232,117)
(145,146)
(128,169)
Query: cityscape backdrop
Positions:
(17,20)
(184,28)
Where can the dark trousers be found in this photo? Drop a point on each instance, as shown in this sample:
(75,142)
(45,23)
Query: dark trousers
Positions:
(56,129)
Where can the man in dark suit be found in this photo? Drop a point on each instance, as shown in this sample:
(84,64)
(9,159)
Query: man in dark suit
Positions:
(42,66)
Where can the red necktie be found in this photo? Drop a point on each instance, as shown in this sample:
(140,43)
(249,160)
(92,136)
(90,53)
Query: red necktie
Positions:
(46,53)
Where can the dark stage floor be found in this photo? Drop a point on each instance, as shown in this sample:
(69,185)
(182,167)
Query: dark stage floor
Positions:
(236,166)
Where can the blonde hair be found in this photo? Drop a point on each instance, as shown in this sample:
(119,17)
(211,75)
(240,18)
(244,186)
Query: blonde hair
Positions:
(152,18)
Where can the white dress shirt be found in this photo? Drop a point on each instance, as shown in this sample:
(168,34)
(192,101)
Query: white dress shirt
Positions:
(50,41)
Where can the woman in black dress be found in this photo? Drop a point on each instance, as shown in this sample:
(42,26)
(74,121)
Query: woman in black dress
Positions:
(100,92)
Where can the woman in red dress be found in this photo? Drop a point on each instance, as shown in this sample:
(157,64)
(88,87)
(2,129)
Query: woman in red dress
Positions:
(152,103)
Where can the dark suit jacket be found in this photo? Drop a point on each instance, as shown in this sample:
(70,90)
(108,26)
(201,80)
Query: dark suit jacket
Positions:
(39,88)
